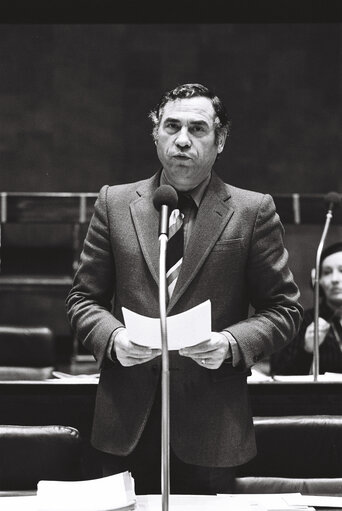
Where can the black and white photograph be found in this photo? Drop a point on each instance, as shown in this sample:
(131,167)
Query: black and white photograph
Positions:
(171,257)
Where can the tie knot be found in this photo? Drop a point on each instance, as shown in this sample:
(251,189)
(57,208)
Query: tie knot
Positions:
(185,201)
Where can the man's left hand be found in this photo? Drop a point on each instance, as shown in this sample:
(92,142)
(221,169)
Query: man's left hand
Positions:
(209,354)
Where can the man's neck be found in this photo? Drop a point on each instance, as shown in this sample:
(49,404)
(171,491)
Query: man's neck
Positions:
(196,193)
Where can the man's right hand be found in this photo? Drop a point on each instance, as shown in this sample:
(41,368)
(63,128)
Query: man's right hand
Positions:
(128,353)
(323,327)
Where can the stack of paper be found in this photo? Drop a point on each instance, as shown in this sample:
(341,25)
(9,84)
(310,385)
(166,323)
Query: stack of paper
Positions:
(112,493)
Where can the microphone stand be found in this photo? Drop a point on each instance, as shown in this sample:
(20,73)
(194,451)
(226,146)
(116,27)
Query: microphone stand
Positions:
(165,425)
(316,291)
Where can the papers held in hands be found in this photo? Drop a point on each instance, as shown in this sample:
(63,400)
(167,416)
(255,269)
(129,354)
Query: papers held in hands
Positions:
(112,493)
(185,329)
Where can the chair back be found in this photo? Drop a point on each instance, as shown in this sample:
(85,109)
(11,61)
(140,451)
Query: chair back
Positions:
(32,453)
(26,353)
(295,453)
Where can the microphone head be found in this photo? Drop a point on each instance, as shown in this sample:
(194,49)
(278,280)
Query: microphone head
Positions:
(333,198)
(165,195)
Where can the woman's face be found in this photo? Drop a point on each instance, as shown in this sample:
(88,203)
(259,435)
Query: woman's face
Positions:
(331,278)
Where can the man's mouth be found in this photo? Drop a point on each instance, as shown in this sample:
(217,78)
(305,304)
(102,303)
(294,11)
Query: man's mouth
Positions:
(180,156)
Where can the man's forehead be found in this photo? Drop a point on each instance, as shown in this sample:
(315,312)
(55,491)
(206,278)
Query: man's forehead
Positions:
(197,108)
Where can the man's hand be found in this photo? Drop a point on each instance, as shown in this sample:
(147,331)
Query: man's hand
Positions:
(209,354)
(323,327)
(129,354)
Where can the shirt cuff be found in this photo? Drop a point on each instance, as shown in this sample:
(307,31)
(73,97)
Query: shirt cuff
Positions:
(110,346)
(233,355)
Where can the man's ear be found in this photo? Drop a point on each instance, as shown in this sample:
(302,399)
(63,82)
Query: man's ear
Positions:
(221,142)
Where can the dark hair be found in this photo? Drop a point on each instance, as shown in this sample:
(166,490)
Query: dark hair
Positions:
(192,90)
(326,252)
(330,249)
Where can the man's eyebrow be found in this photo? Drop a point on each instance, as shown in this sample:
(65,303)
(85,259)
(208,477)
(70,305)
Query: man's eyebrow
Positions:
(192,123)
(199,123)
(171,119)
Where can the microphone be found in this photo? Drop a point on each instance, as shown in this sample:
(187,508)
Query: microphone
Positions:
(333,199)
(165,199)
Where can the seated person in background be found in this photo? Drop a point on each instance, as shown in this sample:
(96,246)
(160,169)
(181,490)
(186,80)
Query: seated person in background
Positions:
(297,356)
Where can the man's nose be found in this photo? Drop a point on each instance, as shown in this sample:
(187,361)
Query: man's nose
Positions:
(183,139)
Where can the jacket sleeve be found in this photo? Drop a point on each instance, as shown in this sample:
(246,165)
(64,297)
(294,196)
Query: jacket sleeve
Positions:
(89,301)
(272,290)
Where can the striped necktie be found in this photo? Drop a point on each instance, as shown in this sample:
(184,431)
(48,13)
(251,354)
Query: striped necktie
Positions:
(175,249)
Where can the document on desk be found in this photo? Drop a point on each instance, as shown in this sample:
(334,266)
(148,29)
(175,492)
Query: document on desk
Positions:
(314,500)
(111,493)
(185,329)
(26,503)
(194,503)
(267,501)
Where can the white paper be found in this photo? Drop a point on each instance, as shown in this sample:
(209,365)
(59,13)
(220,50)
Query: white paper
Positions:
(295,378)
(307,378)
(314,500)
(18,503)
(185,329)
(194,503)
(102,494)
(269,501)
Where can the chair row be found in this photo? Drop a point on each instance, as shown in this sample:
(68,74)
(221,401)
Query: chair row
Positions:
(295,454)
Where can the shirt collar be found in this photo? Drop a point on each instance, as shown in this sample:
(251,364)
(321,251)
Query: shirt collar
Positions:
(197,193)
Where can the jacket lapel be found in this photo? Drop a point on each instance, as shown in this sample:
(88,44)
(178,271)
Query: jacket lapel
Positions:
(146,221)
(212,216)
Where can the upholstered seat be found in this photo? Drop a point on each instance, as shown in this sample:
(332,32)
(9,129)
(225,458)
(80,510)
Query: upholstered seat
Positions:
(295,454)
(32,453)
(26,353)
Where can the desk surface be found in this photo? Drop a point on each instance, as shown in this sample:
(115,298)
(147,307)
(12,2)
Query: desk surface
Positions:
(17,501)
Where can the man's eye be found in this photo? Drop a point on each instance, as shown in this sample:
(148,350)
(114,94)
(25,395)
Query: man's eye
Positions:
(171,127)
(198,130)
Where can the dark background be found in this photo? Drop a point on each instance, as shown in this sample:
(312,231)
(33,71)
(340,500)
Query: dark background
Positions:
(75,98)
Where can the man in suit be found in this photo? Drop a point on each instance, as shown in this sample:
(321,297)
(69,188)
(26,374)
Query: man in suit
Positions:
(233,255)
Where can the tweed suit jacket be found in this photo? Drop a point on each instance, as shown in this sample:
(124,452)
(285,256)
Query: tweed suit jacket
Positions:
(236,258)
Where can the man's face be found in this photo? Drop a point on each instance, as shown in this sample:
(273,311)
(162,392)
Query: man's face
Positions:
(186,141)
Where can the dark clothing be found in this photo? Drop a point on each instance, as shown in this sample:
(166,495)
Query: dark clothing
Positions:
(235,256)
(144,463)
(294,359)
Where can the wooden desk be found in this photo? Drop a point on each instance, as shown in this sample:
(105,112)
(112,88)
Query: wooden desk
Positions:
(30,402)
(300,398)
(72,404)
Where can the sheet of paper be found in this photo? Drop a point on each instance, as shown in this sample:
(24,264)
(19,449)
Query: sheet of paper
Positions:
(27,503)
(269,501)
(314,500)
(109,493)
(193,503)
(295,378)
(258,376)
(186,329)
